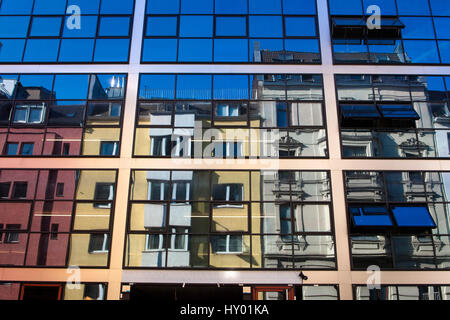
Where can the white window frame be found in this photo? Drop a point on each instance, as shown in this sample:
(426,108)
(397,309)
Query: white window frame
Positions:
(227,110)
(188,190)
(178,146)
(104,248)
(227,198)
(227,242)
(115,148)
(164,152)
(110,198)
(172,240)
(162,191)
(28,108)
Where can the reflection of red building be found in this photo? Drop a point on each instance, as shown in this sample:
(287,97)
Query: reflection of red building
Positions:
(48,217)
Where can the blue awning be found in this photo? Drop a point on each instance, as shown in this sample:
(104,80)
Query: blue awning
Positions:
(413,217)
(371,216)
(359,111)
(394,111)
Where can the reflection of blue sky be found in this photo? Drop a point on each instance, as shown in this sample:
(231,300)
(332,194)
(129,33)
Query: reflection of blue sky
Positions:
(86,6)
(194,87)
(387,6)
(421,51)
(20,27)
(30,80)
(157,86)
(230,87)
(71,86)
(163,7)
(196,26)
(440,7)
(196,6)
(413,7)
(345,7)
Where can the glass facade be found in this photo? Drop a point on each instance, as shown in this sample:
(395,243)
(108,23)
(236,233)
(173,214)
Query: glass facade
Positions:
(398,219)
(220,31)
(56,218)
(79,31)
(393,116)
(411,32)
(230,219)
(230,116)
(224,148)
(63,115)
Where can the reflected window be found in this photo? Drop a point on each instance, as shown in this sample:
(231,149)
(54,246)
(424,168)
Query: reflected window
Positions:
(98,243)
(104,192)
(29,113)
(228,192)
(227,244)
(20,190)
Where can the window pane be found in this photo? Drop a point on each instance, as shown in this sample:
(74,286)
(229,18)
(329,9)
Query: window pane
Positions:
(234,87)
(71,86)
(45,27)
(41,81)
(160,50)
(195,50)
(86,6)
(300,26)
(88,28)
(265,6)
(196,26)
(387,6)
(417,28)
(440,7)
(11,149)
(421,51)
(113,50)
(346,7)
(14,27)
(107,86)
(413,7)
(231,26)
(230,7)
(444,49)
(265,26)
(27,149)
(194,87)
(442,28)
(266,50)
(103,113)
(117,7)
(157,86)
(161,26)
(12,50)
(49,7)
(230,50)
(163,6)
(16,6)
(296,7)
(41,50)
(76,50)
(196,6)
(114,26)
(303,50)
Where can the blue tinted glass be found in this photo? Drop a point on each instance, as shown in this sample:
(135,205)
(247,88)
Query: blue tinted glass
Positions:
(413,217)
(345,7)
(413,7)
(163,6)
(76,50)
(387,6)
(299,7)
(230,50)
(40,81)
(417,28)
(46,27)
(442,28)
(387,53)
(41,50)
(300,46)
(161,26)
(27,149)
(194,87)
(435,83)
(86,6)
(231,26)
(11,149)
(440,7)
(196,26)
(264,6)
(300,26)
(107,148)
(107,86)
(370,216)
(160,50)
(196,6)
(195,50)
(444,50)
(114,26)
(230,6)
(360,111)
(398,112)
(71,86)
(265,50)
(282,115)
(266,26)
(49,7)
(234,87)
(88,28)
(157,86)
(350,52)
(116,7)
(14,27)
(114,50)
(16,6)
(421,51)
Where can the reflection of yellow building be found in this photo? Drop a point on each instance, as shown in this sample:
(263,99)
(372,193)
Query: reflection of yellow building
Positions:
(92,249)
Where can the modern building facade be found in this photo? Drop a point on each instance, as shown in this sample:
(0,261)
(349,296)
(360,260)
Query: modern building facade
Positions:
(157,149)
